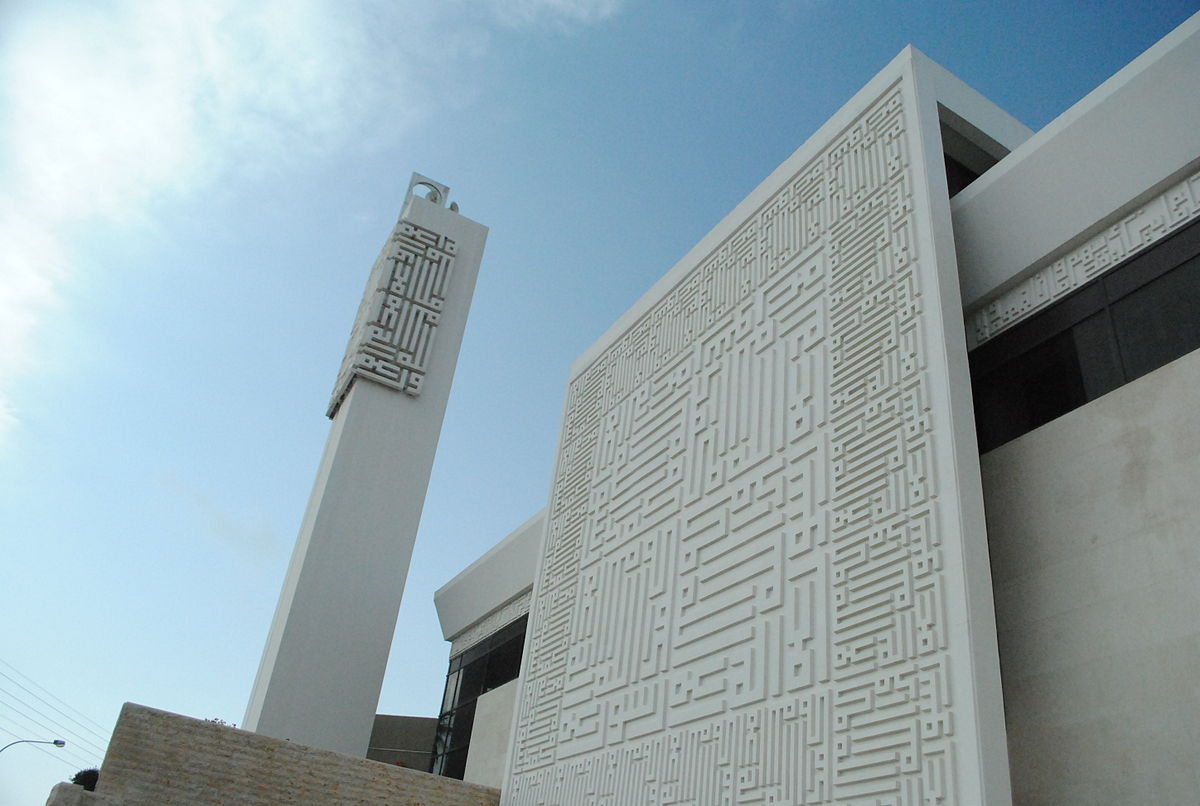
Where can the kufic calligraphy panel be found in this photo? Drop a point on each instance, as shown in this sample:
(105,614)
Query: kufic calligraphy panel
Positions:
(399,315)
(743,594)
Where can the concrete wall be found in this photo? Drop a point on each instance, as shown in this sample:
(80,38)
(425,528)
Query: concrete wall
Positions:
(491,735)
(169,760)
(68,794)
(403,740)
(1093,526)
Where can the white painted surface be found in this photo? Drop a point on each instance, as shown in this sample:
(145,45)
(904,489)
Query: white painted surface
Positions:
(765,574)
(1129,138)
(327,650)
(1095,557)
(499,576)
(491,735)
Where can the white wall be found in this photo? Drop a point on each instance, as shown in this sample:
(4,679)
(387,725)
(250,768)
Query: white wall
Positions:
(765,575)
(1094,528)
(491,735)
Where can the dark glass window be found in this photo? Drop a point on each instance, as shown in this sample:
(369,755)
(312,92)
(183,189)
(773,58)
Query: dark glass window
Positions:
(471,684)
(1130,321)
(504,663)
(451,691)
(1029,390)
(491,663)
(1160,321)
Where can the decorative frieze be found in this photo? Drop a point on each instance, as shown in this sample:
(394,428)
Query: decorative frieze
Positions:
(1169,211)
(493,622)
(394,331)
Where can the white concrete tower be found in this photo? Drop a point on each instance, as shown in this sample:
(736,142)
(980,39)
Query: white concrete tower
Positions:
(322,669)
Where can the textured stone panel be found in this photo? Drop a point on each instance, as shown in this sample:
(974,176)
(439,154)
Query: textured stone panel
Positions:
(742,598)
(171,760)
(397,321)
(1159,217)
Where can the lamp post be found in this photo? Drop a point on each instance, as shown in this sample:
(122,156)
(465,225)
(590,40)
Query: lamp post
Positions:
(55,742)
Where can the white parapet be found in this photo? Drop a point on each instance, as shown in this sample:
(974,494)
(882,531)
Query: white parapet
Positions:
(327,650)
(488,593)
(1112,174)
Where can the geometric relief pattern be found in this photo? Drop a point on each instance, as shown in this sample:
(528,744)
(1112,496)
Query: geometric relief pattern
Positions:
(399,314)
(491,623)
(1157,218)
(741,598)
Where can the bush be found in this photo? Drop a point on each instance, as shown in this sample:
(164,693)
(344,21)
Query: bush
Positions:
(87,778)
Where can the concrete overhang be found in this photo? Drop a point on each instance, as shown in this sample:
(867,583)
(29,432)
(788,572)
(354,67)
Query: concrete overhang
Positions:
(1123,142)
(505,571)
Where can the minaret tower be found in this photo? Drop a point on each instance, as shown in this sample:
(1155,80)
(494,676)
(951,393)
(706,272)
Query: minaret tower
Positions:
(322,669)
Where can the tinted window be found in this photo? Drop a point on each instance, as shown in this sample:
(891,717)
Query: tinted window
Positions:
(491,663)
(1130,321)
(1160,321)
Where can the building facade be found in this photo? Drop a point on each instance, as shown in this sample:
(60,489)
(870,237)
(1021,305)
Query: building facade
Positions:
(765,573)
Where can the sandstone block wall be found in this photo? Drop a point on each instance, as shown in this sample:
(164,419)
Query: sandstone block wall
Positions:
(165,759)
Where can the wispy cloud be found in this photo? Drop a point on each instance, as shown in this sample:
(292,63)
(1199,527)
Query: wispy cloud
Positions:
(561,12)
(107,108)
(249,534)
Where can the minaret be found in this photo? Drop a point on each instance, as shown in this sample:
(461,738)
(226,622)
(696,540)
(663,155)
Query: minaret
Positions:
(322,669)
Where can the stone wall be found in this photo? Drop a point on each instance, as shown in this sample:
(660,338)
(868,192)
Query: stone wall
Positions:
(165,759)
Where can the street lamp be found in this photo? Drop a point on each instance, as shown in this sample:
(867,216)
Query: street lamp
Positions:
(55,742)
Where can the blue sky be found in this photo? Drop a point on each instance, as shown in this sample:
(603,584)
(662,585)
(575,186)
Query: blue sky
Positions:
(191,197)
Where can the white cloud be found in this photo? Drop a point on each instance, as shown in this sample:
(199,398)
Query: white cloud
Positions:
(111,107)
(527,12)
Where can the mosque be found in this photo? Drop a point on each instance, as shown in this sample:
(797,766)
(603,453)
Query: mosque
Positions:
(886,493)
